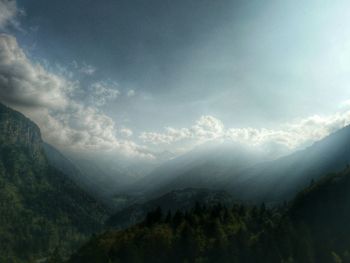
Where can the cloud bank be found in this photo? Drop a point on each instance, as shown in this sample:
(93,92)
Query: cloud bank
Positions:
(77,123)
(49,100)
(70,116)
(288,136)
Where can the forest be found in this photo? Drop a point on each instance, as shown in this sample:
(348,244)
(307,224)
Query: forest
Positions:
(312,228)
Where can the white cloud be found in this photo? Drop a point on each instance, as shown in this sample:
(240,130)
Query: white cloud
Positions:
(290,135)
(68,122)
(28,84)
(126,132)
(101,92)
(47,98)
(87,69)
(171,135)
(131,93)
(8,13)
(207,128)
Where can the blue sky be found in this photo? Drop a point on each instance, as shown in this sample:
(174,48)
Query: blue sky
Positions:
(151,67)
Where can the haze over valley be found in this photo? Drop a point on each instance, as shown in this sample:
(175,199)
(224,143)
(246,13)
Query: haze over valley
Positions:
(174,131)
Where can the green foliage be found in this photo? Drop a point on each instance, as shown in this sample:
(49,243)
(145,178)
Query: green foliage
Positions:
(215,234)
(311,229)
(43,215)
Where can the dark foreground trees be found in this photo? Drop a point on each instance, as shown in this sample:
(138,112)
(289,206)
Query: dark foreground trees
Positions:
(313,228)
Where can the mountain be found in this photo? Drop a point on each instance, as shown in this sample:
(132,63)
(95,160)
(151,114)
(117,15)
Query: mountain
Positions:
(281,179)
(111,173)
(312,229)
(103,178)
(42,210)
(183,200)
(106,180)
(66,166)
(205,167)
(246,173)
(86,174)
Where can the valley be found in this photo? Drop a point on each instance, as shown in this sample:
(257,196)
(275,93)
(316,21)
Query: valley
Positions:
(221,200)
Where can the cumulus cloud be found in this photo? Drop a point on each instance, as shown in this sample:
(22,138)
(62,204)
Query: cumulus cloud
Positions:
(289,135)
(48,99)
(205,129)
(24,83)
(102,92)
(8,13)
(126,132)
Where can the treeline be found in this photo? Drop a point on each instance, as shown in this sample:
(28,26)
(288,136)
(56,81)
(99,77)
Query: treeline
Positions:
(215,234)
(313,228)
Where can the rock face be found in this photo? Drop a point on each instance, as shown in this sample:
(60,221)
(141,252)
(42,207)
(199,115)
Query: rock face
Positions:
(42,212)
(16,129)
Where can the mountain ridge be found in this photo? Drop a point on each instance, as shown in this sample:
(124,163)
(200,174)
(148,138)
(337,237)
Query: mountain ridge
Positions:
(259,180)
(312,228)
(41,209)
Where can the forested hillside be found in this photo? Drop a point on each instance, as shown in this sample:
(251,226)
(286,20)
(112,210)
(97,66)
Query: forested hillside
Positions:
(311,229)
(183,200)
(42,212)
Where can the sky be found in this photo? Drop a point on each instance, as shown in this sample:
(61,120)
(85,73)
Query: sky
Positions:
(142,77)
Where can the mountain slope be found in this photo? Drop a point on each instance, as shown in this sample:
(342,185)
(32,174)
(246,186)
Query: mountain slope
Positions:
(41,208)
(325,208)
(313,229)
(91,179)
(205,167)
(246,174)
(281,179)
